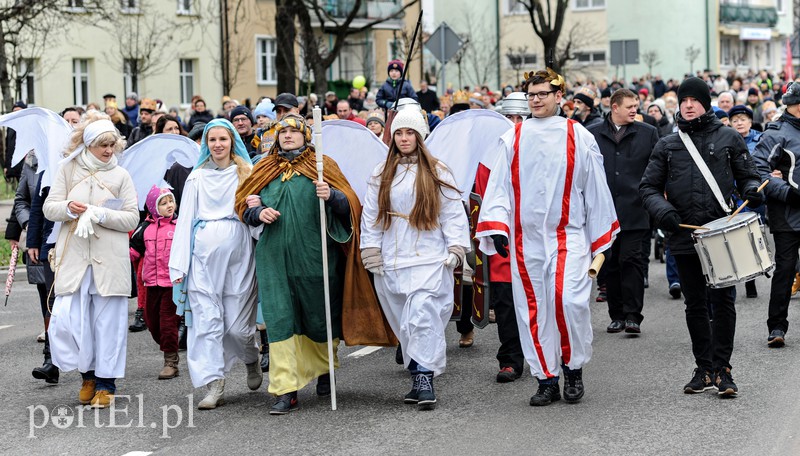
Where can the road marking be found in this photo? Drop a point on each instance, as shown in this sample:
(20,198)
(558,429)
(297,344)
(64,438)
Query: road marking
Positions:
(8,326)
(363,352)
(138,453)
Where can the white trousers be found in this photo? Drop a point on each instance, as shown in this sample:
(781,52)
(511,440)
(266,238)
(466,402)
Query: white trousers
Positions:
(89,332)
(223,297)
(418,302)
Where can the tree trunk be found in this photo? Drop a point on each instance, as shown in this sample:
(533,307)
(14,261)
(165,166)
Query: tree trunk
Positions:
(5,79)
(285,62)
(320,79)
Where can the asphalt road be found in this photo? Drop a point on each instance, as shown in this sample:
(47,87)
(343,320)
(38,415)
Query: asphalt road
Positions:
(634,402)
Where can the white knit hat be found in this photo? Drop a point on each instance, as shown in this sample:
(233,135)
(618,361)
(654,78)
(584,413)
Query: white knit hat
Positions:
(410,118)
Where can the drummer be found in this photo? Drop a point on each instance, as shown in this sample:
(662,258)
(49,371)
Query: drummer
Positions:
(675,192)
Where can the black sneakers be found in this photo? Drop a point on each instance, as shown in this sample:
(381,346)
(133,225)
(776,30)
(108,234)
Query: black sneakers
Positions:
(723,381)
(324,385)
(573,386)
(284,404)
(701,381)
(615,326)
(507,375)
(776,338)
(138,321)
(675,290)
(546,394)
(426,397)
(413,396)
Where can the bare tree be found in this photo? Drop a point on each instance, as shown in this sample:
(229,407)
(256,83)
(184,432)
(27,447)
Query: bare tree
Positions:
(481,57)
(692,53)
(144,40)
(547,19)
(650,58)
(25,28)
(319,56)
(516,58)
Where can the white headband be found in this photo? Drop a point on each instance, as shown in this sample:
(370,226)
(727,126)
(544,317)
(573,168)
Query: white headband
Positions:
(95,129)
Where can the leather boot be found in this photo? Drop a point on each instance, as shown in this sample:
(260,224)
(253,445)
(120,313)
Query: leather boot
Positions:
(138,321)
(214,397)
(48,372)
(254,376)
(170,369)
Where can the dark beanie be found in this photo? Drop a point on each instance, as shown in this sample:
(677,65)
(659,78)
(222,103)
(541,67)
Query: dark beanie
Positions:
(696,88)
(585,99)
(239,110)
(605,93)
(395,65)
(721,114)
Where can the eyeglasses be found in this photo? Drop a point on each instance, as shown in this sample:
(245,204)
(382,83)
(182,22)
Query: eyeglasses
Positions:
(540,95)
(238,119)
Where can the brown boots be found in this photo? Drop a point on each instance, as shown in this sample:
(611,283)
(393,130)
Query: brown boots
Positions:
(170,369)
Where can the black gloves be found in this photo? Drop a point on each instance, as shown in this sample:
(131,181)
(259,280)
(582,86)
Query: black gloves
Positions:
(793,197)
(670,221)
(755,197)
(500,244)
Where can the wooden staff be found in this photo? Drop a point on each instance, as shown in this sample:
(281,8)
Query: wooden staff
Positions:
(597,263)
(323,228)
(746,202)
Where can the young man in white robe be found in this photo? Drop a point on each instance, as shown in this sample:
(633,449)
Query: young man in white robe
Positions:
(548,205)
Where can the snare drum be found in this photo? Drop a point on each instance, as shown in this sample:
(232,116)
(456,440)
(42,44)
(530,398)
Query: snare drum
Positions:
(733,251)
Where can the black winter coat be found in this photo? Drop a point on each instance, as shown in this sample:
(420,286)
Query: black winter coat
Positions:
(779,148)
(625,164)
(39,228)
(385,97)
(672,171)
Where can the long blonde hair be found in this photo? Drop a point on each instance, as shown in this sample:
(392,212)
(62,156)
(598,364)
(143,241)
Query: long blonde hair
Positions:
(243,168)
(76,137)
(425,214)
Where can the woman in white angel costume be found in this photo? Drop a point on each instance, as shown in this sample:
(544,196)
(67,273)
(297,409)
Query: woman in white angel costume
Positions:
(414,232)
(212,265)
(95,202)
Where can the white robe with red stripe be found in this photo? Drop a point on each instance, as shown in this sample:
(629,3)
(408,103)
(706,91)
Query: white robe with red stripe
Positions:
(548,193)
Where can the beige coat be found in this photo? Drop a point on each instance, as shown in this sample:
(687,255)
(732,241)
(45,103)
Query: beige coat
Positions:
(107,250)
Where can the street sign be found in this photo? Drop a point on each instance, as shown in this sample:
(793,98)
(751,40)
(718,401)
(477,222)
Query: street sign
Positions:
(444,43)
(624,52)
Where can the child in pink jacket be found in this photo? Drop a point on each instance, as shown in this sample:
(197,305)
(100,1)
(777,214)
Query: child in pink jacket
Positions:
(152,242)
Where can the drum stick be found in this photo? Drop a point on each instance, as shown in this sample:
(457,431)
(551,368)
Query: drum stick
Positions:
(597,263)
(746,202)
(693,227)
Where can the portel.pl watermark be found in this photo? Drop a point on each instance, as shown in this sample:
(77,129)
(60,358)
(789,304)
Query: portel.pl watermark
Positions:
(126,412)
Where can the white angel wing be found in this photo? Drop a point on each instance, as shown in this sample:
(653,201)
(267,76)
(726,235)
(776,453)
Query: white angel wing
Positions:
(465,139)
(355,149)
(43,131)
(149,159)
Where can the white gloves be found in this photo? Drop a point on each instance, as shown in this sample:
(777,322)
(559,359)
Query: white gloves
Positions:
(454,258)
(372,259)
(91,214)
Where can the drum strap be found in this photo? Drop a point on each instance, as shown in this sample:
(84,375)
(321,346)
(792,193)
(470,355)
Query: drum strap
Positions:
(701,164)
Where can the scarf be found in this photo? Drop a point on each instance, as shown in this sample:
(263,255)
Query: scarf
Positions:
(363,322)
(94,164)
(792,120)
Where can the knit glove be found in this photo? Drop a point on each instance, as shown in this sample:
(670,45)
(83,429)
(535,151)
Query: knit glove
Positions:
(96,213)
(372,259)
(671,221)
(454,258)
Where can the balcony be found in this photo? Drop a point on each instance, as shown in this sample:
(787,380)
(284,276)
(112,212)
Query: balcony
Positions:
(764,16)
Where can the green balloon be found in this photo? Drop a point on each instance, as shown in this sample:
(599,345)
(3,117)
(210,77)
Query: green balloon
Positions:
(359,82)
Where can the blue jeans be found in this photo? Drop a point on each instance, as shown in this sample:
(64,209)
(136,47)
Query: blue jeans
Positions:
(672,268)
(101,384)
(415,368)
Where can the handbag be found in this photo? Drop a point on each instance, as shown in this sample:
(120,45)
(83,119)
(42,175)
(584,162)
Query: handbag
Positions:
(35,271)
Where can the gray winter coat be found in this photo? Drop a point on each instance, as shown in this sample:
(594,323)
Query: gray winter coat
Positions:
(779,149)
(26,190)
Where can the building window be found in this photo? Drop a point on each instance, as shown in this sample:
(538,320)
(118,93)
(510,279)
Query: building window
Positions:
(726,51)
(75,6)
(591,58)
(130,75)
(779,6)
(185,7)
(26,80)
(80,81)
(187,80)
(129,6)
(515,7)
(768,54)
(521,60)
(588,4)
(266,50)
